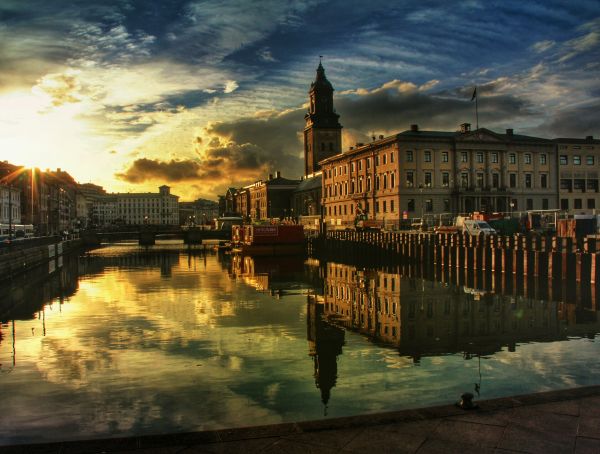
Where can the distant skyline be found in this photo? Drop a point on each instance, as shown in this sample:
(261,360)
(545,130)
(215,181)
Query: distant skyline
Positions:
(199,95)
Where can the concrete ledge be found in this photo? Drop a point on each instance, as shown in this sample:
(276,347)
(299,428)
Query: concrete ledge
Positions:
(214,438)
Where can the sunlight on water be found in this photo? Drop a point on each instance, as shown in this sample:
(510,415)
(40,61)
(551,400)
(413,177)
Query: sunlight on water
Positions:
(125,341)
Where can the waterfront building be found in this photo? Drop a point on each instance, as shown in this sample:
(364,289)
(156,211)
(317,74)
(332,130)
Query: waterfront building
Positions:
(242,202)
(230,206)
(10,205)
(200,211)
(160,208)
(416,174)
(306,200)
(578,174)
(271,198)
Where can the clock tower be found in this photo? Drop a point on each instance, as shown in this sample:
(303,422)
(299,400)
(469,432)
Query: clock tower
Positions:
(323,132)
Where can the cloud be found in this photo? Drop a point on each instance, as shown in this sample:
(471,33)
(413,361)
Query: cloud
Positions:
(543,46)
(60,88)
(265,55)
(230,86)
(145,169)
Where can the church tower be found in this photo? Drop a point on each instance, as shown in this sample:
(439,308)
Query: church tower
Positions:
(323,132)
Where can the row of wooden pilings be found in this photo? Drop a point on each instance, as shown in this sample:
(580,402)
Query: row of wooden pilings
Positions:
(461,258)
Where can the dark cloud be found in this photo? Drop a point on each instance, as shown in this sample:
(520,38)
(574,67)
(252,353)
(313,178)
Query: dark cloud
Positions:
(170,171)
(576,122)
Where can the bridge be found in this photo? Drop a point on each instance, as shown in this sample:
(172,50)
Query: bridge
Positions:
(148,236)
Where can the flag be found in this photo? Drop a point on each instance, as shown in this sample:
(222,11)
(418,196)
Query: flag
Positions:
(474,94)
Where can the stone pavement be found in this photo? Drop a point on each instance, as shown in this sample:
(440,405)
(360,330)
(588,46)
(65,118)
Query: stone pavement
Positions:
(565,421)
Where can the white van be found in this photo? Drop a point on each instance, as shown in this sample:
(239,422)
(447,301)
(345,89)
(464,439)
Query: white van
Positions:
(477,227)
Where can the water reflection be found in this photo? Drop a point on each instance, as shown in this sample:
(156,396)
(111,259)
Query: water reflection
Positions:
(125,340)
(427,318)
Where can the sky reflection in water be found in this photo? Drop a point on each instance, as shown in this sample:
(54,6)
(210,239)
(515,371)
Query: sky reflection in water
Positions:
(124,342)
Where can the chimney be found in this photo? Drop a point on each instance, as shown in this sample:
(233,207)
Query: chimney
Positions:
(509,132)
(380,136)
(589,138)
(278,174)
(465,127)
(414,128)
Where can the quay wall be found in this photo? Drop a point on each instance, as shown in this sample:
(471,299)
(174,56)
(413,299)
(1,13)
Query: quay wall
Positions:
(19,258)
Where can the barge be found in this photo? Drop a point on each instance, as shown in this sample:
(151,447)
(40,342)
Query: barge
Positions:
(271,239)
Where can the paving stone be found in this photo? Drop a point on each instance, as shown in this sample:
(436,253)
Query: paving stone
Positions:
(336,439)
(589,427)
(446,447)
(492,418)
(423,427)
(530,417)
(50,448)
(254,445)
(374,439)
(157,450)
(566,407)
(276,430)
(469,433)
(587,446)
(535,441)
(283,445)
(104,445)
(590,406)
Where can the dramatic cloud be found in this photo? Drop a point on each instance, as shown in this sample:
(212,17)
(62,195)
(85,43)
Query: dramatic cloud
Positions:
(172,171)
(61,88)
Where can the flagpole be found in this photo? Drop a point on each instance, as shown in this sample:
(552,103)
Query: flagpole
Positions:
(476,112)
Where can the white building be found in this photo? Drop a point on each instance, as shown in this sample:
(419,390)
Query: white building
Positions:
(10,200)
(160,208)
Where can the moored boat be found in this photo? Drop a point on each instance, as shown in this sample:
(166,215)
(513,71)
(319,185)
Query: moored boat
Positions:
(269,239)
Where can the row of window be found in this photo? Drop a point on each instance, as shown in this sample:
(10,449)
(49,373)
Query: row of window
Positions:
(480,180)
(579,184)
(342,209)
(381,182)
(479,157)
(343,170)
(577,204)
(564,160)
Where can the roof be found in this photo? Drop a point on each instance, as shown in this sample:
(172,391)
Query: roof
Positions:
(585,141)
(280,181)
(308,184)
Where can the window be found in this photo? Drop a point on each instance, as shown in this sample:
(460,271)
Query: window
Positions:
(589,160)
(464,180)
(591,204)
(410,179)
(463,157)
(368,163)
(384,206)
(377,180)
(427,179)
(543,159)
(384,159)
(512,158)
(352,167)
(410,206)
(360,165)
(428,156)
(592,185)
(577,204)
(335,171)
(445,156)
(429,205)
(576,160)
(392,206)
(445,179)
(409,156)
(512,180)
(495,180)
(529,204)
(527,180)
(368,183)
(377,206)
(393,180)
(392,156)
(495,157)
(543,180)
(480,180)
(579,184)
(479,157)
(385,181)
(446,205)
(514,204)
(564,204)
(527,158)
(563,160)
(566,184)
(544,204)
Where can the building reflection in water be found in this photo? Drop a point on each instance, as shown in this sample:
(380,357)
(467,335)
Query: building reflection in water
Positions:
(426,318)
(325,343)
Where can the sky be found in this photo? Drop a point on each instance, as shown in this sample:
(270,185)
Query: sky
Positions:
(206,95)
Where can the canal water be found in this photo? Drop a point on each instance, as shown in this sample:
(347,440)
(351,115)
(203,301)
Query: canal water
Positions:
(123,341)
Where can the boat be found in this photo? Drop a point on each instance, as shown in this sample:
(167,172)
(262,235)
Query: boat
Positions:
(268,239)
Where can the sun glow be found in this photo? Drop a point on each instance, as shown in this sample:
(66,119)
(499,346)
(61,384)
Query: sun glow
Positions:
(33,132)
